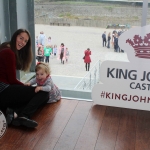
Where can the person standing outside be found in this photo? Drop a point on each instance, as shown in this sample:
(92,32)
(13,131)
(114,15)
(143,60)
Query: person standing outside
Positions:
(104,39)
(41,38)
(40,54)
(19,101)
(116,46)
(47,52)
(87,59)
(67,54)
(108,39)
(55,50)
(49,40)
(62,53)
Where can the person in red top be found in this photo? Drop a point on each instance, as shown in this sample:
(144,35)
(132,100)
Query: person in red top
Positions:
(87,59)
(19,101)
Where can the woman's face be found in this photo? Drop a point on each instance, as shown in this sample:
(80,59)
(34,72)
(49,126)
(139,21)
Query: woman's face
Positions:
(21,40)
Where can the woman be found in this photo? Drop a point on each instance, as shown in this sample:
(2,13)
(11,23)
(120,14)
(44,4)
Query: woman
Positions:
(62,53)
(87,59)
(109,38)
(20,101)
(116,46)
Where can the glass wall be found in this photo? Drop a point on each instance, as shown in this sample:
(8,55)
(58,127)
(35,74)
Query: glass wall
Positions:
(79,25)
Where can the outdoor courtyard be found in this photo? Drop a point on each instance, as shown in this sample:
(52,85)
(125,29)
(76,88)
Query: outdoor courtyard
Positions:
(77,40)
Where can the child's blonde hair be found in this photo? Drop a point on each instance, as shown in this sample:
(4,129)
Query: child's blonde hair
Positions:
(43,66)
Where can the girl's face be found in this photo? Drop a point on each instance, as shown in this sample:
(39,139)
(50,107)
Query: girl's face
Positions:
(41,75)
(21,40)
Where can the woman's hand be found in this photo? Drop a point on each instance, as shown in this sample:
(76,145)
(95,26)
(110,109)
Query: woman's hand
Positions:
(38,88)
(27,84)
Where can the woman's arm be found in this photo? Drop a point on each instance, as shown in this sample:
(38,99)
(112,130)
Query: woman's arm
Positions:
(10,65)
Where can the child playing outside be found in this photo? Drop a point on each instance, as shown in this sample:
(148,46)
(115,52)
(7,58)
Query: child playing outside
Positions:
(55,50)
(40,54)
(67,54)
(47,53)
(45,83)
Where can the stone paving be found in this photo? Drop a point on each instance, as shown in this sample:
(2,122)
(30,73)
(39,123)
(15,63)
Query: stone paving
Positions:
(77,39)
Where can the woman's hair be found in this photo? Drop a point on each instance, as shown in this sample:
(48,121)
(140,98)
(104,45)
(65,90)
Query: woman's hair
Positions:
(43,66)
(109,34)
(23,56)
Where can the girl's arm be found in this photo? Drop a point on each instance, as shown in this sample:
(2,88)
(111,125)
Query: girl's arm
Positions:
(47,87)
(32,81)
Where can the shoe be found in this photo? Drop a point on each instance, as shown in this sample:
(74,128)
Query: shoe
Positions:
(25,122)
(9,115)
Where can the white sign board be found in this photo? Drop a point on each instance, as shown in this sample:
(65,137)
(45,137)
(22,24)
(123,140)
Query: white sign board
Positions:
(127,84)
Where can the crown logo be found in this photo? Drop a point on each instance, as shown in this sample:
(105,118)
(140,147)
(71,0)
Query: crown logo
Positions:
(141,46)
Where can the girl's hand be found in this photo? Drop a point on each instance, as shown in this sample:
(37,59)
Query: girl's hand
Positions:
(37,89)
(27,84)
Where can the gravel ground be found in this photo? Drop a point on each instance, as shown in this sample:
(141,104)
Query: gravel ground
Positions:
(78,39)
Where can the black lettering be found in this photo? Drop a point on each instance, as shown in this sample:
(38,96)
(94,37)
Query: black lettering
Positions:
(148,76)
(116,73)
(143,85)
(148,86)
(131,84)
(144,74)
(109,72)
(134,76)
(138,86)
(124,74)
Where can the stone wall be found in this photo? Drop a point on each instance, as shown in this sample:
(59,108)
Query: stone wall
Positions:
(94,16)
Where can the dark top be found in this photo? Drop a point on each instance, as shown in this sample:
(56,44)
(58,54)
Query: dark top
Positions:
(104,36)
(7,69)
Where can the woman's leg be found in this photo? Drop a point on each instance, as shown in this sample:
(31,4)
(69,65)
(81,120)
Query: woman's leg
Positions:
(23,99)
(108,44)
(88,66)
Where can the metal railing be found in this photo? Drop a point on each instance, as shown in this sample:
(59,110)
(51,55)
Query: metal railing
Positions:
(90,79)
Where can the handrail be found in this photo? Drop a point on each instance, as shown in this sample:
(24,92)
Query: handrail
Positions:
(90,79)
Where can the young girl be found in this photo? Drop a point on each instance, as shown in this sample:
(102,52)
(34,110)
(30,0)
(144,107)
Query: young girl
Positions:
(55,50)
(49,40)
(45,83)
(40,54)
(47,53)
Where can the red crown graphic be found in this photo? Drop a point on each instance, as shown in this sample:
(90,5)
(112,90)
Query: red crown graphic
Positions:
(141,46)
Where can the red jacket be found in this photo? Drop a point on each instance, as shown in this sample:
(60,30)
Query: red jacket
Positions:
(8,67)
(87,56)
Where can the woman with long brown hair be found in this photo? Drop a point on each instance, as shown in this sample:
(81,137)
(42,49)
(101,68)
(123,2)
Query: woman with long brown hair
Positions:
(19,101)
